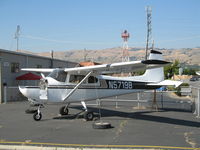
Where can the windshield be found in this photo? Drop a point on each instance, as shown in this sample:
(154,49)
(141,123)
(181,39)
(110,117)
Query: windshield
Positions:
(59,75)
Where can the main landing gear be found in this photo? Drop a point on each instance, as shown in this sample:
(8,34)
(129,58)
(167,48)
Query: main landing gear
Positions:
(64,110)
(88,115)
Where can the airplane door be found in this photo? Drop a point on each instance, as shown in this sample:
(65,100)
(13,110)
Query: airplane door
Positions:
(43,89)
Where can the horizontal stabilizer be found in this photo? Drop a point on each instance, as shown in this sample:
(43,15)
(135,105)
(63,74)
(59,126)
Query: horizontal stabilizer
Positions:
(154,62)
(168,82)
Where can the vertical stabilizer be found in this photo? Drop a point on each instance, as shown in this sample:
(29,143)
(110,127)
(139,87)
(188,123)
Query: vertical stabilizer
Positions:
(156,74)
(152,75)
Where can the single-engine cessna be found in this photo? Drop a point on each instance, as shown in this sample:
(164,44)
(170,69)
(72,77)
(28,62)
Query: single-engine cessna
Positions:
(81,84)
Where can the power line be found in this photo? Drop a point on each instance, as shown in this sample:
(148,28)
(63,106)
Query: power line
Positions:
(62,41)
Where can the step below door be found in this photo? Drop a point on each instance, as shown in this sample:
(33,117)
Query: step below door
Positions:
(43,90)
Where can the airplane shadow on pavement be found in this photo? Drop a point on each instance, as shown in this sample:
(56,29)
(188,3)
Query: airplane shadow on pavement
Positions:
(140,115)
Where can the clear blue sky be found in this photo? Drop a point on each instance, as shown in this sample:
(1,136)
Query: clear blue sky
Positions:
(96,24)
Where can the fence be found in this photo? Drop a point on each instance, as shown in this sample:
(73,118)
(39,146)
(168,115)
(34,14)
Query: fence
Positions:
(195,95)
(143,100)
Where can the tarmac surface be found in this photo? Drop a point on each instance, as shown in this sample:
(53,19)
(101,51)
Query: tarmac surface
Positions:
(169,127)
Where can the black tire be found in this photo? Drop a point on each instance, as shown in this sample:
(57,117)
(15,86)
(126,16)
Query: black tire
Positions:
(64,111)
(37,116)
(101,125)
(30,111)
(88,116)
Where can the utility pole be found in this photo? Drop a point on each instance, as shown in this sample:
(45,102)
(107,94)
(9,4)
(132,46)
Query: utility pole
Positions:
(85,55)
(17,34)
(149,29)
(51,58)
(152,44)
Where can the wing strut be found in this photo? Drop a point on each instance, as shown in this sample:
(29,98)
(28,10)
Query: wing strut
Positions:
(72,91)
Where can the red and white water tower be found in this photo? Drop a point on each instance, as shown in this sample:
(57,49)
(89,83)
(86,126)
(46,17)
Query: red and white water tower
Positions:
(125,54)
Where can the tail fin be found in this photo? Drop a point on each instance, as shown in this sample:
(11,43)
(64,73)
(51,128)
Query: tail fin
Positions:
(152,75)
(157,74)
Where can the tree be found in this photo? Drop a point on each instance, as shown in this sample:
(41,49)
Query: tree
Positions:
(171,69)
(189,71)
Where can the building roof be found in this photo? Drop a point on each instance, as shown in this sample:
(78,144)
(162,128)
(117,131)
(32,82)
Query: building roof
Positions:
(88,63)
(31,55)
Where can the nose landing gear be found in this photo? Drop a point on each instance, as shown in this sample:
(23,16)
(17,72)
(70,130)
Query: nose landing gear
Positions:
(37,116)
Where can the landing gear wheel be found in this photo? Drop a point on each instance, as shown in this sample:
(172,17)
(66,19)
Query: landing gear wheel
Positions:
(64,111)
(101,125)
(37,116)
(88,116)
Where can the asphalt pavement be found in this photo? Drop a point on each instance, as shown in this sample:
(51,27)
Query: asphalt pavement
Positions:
(175,127)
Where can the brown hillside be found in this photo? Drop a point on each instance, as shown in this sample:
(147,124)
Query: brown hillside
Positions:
(110,55)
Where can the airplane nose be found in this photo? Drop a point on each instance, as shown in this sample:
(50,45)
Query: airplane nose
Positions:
(23,90)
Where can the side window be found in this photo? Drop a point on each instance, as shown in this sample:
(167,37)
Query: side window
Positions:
(14,67)
(92,79)
(76,78)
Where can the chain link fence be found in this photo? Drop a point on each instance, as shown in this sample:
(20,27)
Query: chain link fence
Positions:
(195,96)
(143,100)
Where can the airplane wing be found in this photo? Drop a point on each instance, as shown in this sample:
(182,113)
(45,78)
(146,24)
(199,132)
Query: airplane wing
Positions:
(119,67)
(38,69)
(108,68)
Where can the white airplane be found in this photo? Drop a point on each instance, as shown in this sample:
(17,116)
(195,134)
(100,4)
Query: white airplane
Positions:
(80,84)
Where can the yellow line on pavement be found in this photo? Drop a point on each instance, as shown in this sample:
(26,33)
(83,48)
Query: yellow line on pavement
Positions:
(96,146)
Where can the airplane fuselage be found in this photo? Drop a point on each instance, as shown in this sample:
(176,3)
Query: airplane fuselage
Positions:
(102,88)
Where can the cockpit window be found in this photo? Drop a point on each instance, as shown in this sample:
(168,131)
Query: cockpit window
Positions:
(79,78)
(59,75)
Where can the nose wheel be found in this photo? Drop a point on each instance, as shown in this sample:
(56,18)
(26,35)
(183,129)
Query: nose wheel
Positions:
(37,116)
